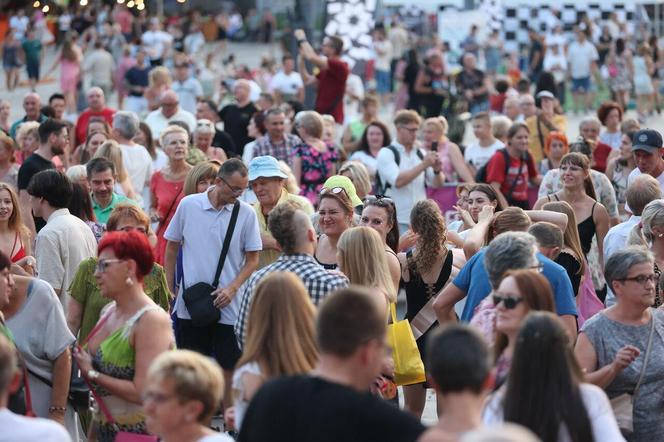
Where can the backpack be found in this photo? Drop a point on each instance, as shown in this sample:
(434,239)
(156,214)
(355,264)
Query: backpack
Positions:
(480,177)
(381,187)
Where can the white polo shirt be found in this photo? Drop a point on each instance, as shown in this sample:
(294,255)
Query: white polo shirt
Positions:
(406,196)
(158,122)
(201,228)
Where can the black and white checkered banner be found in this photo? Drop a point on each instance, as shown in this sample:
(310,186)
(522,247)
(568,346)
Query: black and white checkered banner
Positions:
(352,21)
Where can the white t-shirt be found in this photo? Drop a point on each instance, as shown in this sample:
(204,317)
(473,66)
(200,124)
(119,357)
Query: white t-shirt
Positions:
(16,427)
(286,84)
(188,92)
(138,163)
(556,64)
(202,228)
(478,156)
(64,22)
(600,414)
(383,55)
(580,56)
(155,43)
(158,122)
(19,25)
(366,159)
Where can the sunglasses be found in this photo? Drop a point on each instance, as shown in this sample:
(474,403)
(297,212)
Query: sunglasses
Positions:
(334,190)
(509,302)
(379,200)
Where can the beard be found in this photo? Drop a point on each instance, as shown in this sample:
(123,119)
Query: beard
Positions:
(57,149)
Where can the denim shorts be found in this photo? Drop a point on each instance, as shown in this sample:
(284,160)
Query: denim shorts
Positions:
(383,85)
(581,84)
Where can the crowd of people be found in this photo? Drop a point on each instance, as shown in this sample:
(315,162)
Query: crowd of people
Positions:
(233,243)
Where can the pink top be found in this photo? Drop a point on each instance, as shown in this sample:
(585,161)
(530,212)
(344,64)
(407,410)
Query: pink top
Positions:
(168,195)
(445,162)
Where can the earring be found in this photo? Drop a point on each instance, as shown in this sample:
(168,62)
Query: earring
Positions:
(129,281)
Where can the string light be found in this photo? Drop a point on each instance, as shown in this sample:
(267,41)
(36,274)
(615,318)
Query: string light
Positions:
(84,2)
(45,9)
(36,4)
(120,2)
(130,4)
(140,7)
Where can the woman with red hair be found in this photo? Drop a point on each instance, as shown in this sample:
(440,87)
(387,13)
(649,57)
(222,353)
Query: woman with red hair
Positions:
(131,333)
(555,147)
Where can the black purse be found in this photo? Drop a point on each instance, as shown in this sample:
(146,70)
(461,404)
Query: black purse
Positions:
(198,298)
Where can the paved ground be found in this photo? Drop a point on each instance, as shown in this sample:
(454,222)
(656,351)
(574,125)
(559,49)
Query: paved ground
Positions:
(250,54)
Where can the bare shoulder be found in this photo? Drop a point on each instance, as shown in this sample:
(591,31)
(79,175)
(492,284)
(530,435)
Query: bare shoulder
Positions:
(436,435)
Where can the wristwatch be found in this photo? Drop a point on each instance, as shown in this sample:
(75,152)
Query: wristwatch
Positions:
(93,375)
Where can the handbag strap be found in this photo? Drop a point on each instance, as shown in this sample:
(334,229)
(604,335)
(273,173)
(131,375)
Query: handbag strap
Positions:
(168,212)
(647,355)
(227,243)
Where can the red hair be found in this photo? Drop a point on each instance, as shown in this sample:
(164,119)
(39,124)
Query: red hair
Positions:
(130,245)
(555,136)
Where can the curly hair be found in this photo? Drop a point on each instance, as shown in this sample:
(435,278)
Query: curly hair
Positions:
(429,224)
(606,107)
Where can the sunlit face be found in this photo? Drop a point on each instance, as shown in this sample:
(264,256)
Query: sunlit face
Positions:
(29,143)
(557,149)
(333,219)
(6,153)
(612,120)
(407,133)
(571,175)
(476,202)
(95,141)
(175,146)
(275,125)
(625,147)
(6,205)
(527,106)
(375,137)
(58,105)
(232,187)
(59,141)
(267,190)
(430,134)
(509,320)
(462,201)
(376,218)
(547,104)
(252,130)
(590,131)
(96,127)
(164,412)
(647,162)
(203,141)
(96,99)
(481,129)
(632,292)
(204,184)
(140,138)
(102,184)
(5,110)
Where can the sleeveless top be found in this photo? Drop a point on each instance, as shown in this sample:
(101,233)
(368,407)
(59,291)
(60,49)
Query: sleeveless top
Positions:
(20,253)
(117,358)
(418,292)
(333,266)
(586,227)
(240,402)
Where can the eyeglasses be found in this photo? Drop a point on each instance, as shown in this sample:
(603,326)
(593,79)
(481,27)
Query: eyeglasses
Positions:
(235,190)
(156,397)
(642,279)
(334,190)
(379,200)
(412,130)
(103,264)
(510,302)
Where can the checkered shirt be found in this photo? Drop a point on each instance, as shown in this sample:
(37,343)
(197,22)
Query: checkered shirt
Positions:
(318,281)
(282,151)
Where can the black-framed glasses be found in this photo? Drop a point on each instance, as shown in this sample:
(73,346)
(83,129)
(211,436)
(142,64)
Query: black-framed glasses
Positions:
(378,200)
(412,130)
(235,190)
(334,190)
(510,302)
(103,264)
(642,279)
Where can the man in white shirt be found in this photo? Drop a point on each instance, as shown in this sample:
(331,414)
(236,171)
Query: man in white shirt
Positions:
(582,59)
(169,111)
(478,154)
(66,240)
(19,23)
(648,151)
(156,42)
(199,227)
(405,177)
(287,84)
(384,50)
(187,87)
(14,426)
(640,192)
(135,157)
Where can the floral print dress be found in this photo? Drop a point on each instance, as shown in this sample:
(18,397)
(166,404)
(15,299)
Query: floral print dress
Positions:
(316,168)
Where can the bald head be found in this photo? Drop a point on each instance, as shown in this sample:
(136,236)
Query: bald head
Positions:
(641,191)
(527,105)
(511,108)
(96,99)
(169,103)
(32,106)
(241,90)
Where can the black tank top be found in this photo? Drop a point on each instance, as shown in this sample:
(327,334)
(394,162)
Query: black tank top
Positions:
(586,228)
(419,292)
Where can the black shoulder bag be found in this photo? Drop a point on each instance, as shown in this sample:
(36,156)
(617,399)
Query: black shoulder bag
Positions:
(197,298)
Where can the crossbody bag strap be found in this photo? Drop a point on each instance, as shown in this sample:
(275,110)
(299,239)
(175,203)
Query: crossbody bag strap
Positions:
(227,243)
(162,225)
(540,135)
(646,356)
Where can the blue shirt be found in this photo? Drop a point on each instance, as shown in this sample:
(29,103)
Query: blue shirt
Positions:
(477,287)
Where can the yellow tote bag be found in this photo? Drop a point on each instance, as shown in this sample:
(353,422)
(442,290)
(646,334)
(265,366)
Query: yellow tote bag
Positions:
(408,366)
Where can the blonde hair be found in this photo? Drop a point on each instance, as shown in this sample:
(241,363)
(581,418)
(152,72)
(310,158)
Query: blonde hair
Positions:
(159,75)
(500,124)
(571,237)
(194,378)
(28,128)
(112,152)
(170,130)
(202,171)
(359,175)
(311,121)
(77,172)
(511,219)
(290,183)
(362,259)
(652,216)
(437,123)
(281,327)
(407,117)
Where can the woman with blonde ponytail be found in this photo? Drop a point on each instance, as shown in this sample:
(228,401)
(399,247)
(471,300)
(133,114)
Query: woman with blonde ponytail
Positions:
(649,233)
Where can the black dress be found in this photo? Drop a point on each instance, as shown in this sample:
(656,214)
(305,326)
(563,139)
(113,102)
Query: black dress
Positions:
(418,293)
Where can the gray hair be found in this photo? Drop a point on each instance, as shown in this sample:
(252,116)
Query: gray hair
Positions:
(204,126)
(590,120)
(509,251)
(652,216)
(126,123)
(618,265)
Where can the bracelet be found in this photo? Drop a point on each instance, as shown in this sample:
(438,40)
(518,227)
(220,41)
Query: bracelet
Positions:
(53,409)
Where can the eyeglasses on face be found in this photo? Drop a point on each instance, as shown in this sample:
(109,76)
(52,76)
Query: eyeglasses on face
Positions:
(412,130)
(510,302)
(642,279)
(102,264)
(235,190)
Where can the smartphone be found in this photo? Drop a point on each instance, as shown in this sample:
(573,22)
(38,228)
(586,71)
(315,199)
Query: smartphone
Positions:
(434,146)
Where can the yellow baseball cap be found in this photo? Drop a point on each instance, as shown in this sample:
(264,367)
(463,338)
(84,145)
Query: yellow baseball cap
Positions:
(347,185)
